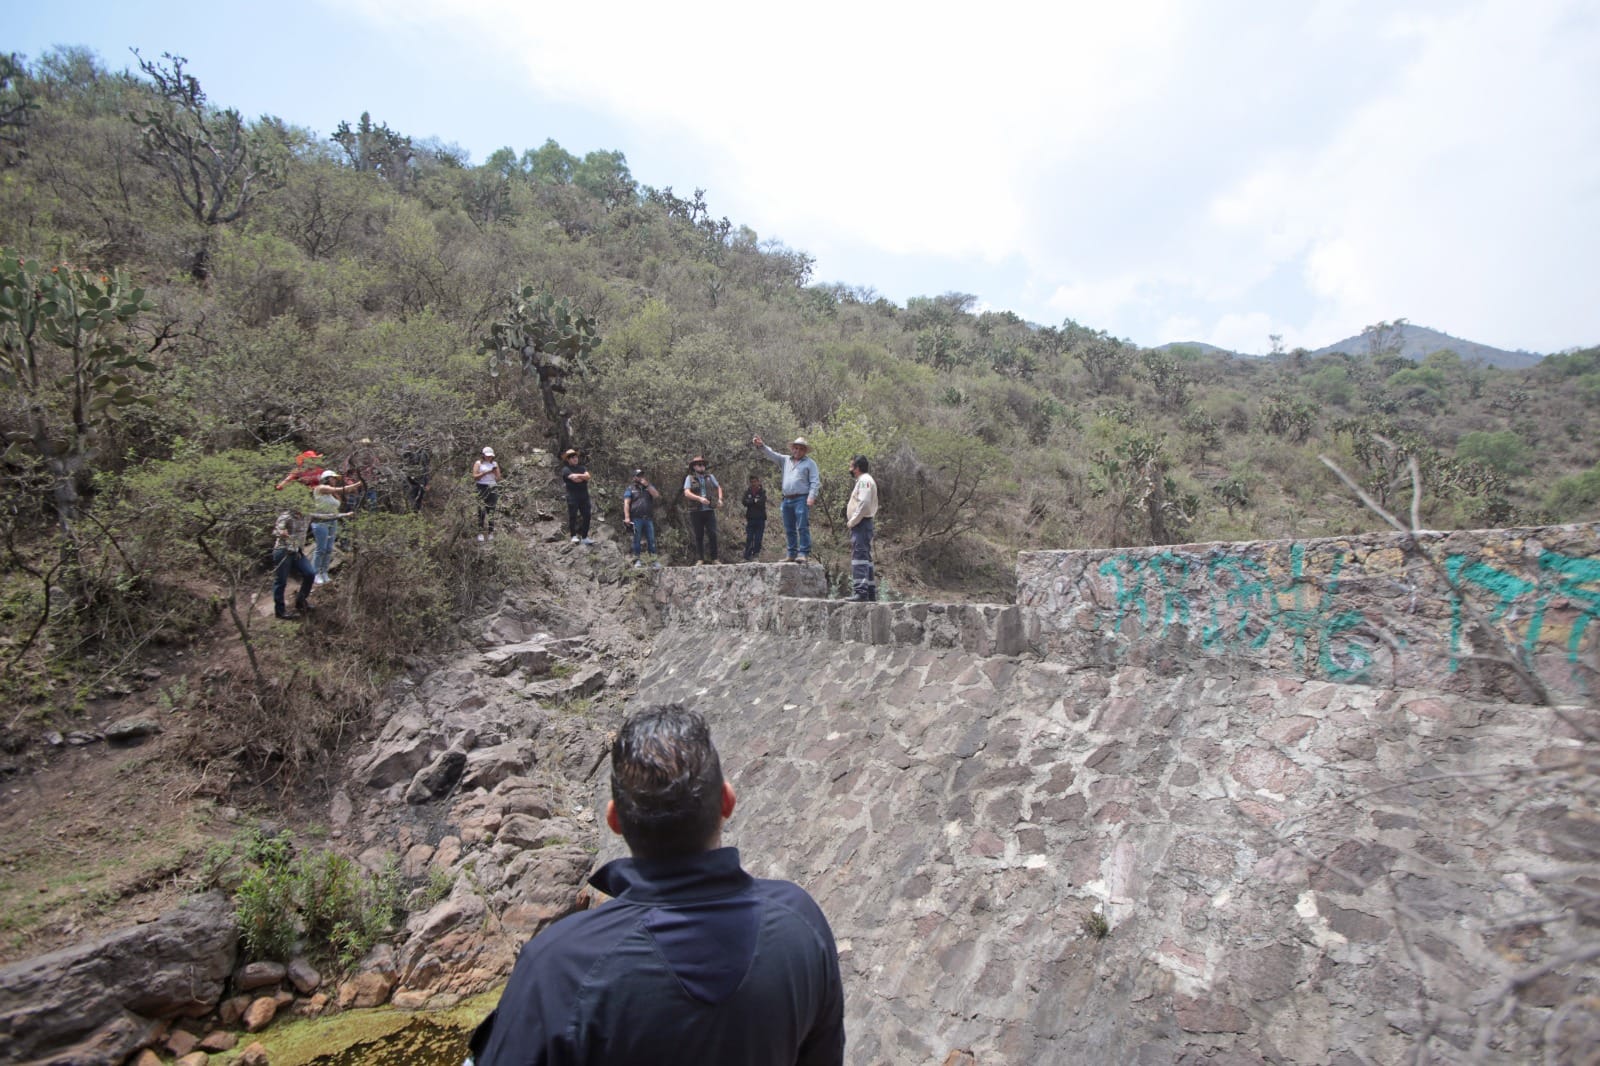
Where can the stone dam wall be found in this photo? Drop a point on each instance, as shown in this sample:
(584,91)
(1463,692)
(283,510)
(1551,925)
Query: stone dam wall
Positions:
(1211,803)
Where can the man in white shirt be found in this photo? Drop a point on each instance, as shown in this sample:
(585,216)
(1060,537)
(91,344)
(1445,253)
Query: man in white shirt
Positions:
(858,514)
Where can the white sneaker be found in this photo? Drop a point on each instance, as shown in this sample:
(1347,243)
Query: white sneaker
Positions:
(322,579)
(491,536)
(637,564)
(574,540)
(656,565)
(588,542)
(480,538)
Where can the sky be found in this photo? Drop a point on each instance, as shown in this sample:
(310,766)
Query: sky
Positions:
(1214,170)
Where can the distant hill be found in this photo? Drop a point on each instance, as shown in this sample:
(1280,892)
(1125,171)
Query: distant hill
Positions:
(1201,347)
(1416,343)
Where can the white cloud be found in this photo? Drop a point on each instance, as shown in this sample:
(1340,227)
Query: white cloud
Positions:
(1238,169)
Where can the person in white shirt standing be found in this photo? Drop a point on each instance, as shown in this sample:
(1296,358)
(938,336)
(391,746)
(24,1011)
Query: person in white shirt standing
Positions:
(858,515)
(486,476)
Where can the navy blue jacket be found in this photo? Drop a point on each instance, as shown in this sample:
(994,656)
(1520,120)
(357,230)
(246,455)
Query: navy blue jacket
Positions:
(694,961)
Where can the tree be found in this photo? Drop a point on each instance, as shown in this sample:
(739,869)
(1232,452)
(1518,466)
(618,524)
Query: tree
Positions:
(1167,377)
(376,150)
(1104,358)
(17,107)
(62,351)
(1286,416)
(1384,340)
(549,164)
(217,166)
(604,175)
(548,339)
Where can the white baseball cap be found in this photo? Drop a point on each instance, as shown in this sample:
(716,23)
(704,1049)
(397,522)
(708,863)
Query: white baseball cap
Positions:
(489,452)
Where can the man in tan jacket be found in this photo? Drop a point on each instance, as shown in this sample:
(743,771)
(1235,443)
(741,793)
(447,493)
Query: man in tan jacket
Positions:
(858,515)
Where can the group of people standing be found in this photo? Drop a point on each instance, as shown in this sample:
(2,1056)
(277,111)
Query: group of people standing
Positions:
(800,483)
(329,491)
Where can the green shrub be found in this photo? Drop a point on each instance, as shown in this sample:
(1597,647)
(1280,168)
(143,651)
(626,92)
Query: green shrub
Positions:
(1502,450)
(1575,497)
(318,901)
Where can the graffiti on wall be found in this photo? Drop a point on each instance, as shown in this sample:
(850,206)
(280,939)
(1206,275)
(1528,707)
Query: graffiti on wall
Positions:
(1244,605)
(1563,593)
(1238,603)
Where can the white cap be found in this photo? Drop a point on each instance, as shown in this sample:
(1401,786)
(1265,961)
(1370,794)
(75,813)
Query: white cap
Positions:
(327,474)
(489,452)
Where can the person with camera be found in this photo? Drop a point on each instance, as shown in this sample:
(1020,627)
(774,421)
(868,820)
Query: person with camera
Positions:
(638,515)
(697,489)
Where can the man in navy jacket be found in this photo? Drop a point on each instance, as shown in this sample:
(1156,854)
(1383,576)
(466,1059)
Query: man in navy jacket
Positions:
(692,961)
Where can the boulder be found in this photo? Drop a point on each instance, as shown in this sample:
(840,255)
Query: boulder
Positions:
(258,975)
(232,1009)
(88,1004)
(254,1055)
(219,1040)
(180,1042)
(438,777)
(130,730)
(366,990)
(304,976)
(580,684)
(260,1013)
(530,657)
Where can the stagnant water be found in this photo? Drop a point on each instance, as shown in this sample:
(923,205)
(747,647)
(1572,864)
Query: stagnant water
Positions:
(421,1042)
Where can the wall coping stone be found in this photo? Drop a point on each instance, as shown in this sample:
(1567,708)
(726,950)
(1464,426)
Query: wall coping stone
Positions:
(1369,608)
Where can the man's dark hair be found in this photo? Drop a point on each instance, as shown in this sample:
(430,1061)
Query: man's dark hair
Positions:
(666,781)
(861,464)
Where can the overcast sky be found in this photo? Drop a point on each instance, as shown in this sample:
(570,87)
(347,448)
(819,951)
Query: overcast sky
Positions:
(1215,171)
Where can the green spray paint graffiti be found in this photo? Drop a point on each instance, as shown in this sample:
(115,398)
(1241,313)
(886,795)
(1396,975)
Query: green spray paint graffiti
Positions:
(1327,640)
(1522,606)
(1242,605)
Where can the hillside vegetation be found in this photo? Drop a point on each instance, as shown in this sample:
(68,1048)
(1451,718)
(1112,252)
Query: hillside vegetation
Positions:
(189,298)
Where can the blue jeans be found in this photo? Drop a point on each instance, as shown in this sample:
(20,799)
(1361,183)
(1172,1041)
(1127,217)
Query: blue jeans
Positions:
(323,533)
(289,562)
(755,530)
(797,525)
(644,529)
(863,579)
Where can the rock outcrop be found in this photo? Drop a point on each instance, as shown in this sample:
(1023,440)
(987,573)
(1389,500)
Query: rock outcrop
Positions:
(94,1003)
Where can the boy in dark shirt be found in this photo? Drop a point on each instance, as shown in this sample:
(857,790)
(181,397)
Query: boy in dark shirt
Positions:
(755,519)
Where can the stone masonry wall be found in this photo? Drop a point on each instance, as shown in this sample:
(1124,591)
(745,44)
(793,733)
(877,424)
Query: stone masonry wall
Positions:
(1291,866)
(1371,609)
(1295,872)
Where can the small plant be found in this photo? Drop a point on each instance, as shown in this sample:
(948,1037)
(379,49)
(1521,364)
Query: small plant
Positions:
(439,885)
(744,664)
(217,865)
(1095,925)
